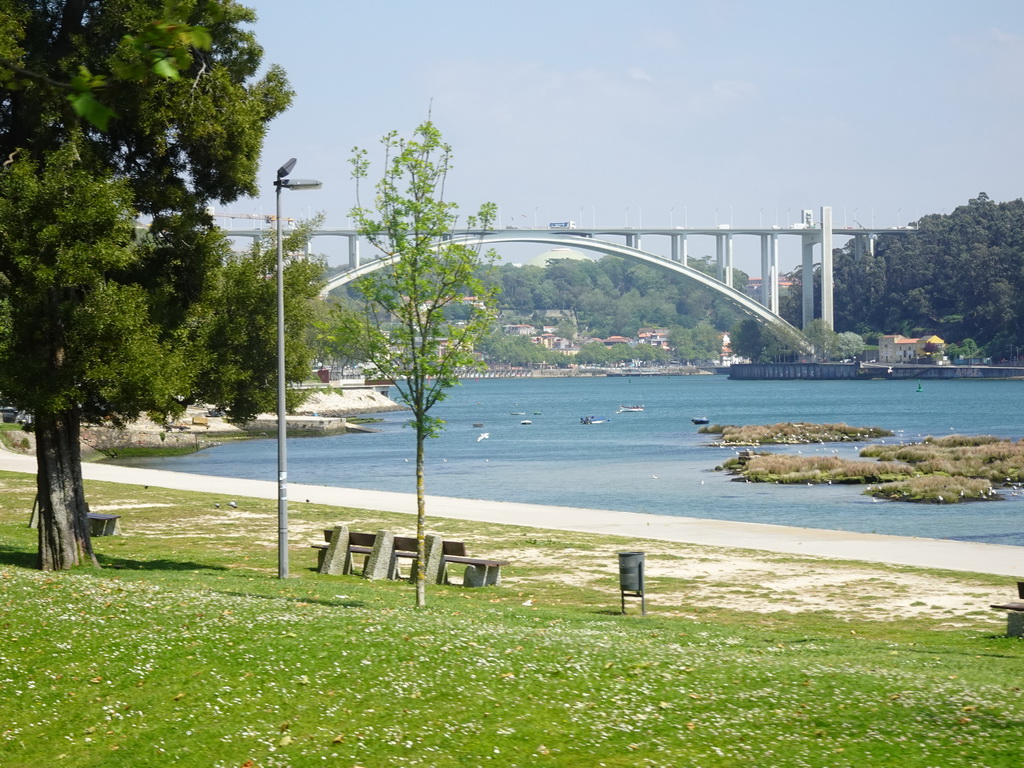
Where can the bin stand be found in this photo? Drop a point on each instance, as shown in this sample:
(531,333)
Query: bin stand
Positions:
(631,579)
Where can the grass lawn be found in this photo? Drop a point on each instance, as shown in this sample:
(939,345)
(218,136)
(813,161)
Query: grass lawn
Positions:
(186,649)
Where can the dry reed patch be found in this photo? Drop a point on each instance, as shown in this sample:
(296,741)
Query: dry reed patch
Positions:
(790,433)
(783,468)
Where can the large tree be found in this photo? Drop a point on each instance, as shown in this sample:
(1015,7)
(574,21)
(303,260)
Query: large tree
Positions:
(429,307)
(96,321)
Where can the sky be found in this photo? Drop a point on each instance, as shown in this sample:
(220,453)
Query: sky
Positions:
(657,113)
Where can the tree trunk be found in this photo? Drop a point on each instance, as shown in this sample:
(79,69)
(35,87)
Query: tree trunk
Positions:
(63,514)
(421,520)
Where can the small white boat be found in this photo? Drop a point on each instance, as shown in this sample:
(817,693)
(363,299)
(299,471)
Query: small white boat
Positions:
(593,420)
(526,421)
(701,420)
(630,409)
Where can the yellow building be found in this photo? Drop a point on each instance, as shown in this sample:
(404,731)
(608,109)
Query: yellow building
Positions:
(900,349)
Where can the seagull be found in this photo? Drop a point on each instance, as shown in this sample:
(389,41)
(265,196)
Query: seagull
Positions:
(483,436)
(232,504)
(528,602)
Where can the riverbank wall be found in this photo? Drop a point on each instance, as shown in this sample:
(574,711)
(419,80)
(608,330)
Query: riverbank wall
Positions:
(868,371)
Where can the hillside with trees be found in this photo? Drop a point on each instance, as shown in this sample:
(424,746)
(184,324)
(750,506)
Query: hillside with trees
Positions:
(613,296)
(586,299)
(960,276)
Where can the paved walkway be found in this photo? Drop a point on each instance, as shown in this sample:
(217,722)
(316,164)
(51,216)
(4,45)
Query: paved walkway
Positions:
(898,550)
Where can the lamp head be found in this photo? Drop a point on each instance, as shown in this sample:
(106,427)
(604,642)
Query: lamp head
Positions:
(300,183)
(285,169)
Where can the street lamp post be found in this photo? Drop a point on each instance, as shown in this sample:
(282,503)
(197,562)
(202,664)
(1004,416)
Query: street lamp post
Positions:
(282,182)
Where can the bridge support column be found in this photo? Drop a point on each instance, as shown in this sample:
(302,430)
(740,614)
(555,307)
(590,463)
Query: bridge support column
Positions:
(766,280)
(720,258)
(827,313)
(728,260)
(863,244)
(774,273)
(679,249)
(807,277)
(353,252)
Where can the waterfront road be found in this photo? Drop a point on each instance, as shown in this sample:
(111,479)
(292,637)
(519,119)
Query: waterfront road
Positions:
(898,550)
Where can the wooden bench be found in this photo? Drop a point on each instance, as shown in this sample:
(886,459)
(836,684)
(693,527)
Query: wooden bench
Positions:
(1015,615)
(104,525)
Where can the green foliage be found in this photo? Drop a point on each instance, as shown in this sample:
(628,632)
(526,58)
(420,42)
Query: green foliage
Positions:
(236,354)
(614,296)
(959,276)
(95,322)
(429,307)
(163,47)
(518,351)
(764,344)
(72,336)
(187,647)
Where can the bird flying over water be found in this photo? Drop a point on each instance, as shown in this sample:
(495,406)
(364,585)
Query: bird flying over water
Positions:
(483,436)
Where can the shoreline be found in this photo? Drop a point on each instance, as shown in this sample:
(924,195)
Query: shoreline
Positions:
(944,554)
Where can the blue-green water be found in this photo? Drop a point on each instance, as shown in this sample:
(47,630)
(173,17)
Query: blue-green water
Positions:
(653,461)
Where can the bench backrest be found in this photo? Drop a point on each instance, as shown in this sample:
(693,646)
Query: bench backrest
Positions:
(454,548)
(354,538)
(408,543)
(405,544)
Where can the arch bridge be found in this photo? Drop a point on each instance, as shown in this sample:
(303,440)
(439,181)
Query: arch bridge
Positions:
(765,308)
(744,302)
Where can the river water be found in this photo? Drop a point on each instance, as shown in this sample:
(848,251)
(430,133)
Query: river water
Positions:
(652,461)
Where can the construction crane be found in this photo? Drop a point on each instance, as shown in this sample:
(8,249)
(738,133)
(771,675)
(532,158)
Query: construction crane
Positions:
(269,218)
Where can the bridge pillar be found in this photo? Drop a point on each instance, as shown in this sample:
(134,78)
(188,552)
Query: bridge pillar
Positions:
(774,273)
(728,260)
(720,258)
(766,280)
(679,249)
(353,252)
(807,277)
(827,313)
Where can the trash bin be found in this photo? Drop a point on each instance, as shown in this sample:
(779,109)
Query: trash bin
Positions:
(631,578)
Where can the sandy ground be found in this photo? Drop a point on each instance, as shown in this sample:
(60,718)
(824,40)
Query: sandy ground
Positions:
(691,563)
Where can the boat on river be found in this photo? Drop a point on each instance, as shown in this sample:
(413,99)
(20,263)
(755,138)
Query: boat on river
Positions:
(701,420)
(630,409)
(593,420)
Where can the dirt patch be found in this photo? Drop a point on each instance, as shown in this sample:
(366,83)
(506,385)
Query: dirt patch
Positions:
(684,577)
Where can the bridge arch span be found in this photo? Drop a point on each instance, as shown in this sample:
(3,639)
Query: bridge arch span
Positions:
(741,300)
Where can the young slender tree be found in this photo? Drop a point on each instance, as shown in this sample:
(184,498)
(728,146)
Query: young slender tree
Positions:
(97,322)
(419,331)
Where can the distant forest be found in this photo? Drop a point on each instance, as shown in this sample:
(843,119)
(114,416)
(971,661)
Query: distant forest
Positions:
(961,277)
(613,296)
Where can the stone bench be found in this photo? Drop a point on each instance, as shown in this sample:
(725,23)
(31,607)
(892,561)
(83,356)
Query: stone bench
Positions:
(384,550)
(104,525)
(100,524)
(1015,615)
(480,572)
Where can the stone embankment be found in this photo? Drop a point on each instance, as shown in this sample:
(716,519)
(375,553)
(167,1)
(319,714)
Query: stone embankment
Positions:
(321,413)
